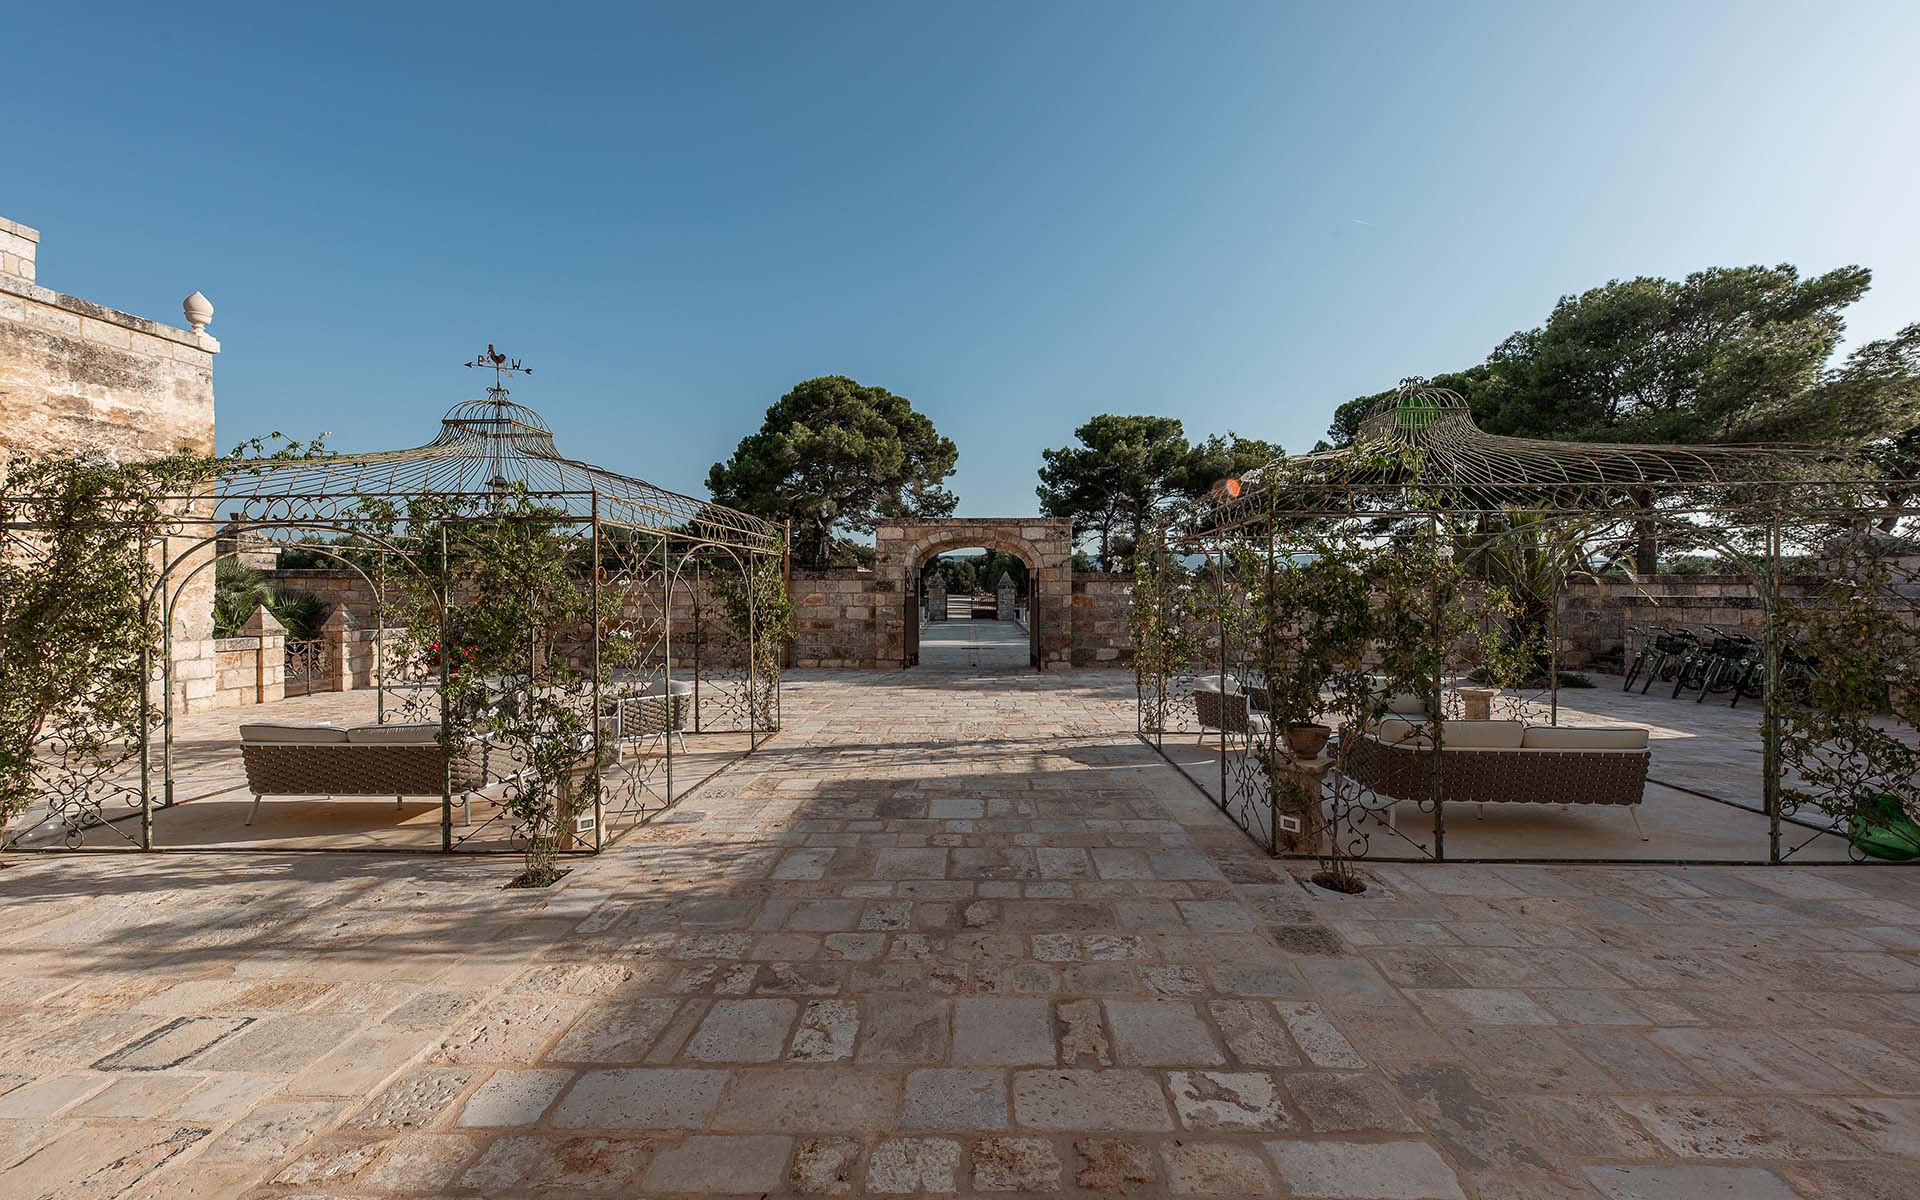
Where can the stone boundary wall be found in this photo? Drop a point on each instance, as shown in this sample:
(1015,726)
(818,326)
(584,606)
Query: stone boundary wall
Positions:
(1100,604)
(1597,619)
(833,618)
(836,615)
(339,588)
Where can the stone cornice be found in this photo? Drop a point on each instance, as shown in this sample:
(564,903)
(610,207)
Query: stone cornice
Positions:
(112,316)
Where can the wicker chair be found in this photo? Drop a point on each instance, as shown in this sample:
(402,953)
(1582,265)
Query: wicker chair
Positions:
(650,711)
(373,760)
(1227,710)
(1505,762)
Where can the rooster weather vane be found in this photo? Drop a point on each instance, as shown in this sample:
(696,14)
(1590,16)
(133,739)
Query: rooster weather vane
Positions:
(503,367)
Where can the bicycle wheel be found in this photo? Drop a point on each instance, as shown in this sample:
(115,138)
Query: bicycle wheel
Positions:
(1633,671)
(1722,677)
(1692,672)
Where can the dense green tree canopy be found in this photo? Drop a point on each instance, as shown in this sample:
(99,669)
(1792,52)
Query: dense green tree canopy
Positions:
(834,457)
(1227,456)
(1124,469)
(977,570)
(1730,354)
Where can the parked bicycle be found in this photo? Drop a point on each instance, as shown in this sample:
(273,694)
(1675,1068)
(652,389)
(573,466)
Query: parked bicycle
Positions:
(1715,667)
(1722,663)
(1662,650)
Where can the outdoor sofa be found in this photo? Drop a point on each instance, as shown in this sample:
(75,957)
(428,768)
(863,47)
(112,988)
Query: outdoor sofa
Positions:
(367,760)
(1504,762)
(1484,762)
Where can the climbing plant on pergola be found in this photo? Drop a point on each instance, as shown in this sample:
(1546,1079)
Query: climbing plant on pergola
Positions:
(1463,541)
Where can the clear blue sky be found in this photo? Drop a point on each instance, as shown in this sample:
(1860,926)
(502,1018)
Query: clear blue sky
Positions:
(1015,215)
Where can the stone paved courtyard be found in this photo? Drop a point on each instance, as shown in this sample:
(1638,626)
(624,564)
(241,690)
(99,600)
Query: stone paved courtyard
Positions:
(953,934)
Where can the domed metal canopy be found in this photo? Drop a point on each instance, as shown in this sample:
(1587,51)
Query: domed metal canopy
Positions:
(1424,439)
(486,447)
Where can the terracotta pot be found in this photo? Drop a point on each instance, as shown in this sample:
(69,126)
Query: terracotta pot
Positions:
(1307,741)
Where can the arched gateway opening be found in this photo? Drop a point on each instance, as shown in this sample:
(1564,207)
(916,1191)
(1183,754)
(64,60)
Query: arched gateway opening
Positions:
(902,550)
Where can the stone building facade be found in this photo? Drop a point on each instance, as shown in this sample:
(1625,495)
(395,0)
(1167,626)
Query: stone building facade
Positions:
(75,375)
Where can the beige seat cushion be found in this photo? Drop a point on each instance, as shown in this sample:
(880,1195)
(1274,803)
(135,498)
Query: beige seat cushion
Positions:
(299,735)
(679,687)
(1394,730)
(1211,683)
(1585,737)
(1456,735)
(1407,704)
(1484,735)
(426,733)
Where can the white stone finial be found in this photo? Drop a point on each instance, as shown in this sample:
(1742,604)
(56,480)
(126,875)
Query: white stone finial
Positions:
(199,311)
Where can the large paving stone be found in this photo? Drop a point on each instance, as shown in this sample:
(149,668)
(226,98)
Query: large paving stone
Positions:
(173,1043)
(416,1099)
(1002,1031)
(615,1032)
(1228,1100)
(1477,1129)
(808,1100)
(903,1028)
(541,1164)
(955,1099)
(743,1031)
(513,1097)
(1113,1166)
(1688,1182)
(827,1031)
(1215,1169)
(641,1098)
(1078,1101)
(1006,1164)
(723,1165)
(901,1166)
(1160,1033)
(825,1166)
(1364,1170)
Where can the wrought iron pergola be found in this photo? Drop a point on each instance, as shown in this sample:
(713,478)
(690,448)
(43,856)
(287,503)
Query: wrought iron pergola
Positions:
(671,582)
(1421,470)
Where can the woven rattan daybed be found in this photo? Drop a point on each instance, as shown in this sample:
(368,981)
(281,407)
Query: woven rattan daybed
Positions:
(1504,762)
(371,760)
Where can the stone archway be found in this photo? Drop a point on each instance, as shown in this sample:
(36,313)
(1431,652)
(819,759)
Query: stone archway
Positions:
(1045,545)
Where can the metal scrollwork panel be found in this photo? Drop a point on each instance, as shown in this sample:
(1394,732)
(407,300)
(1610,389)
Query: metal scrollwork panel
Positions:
(88,786)
(308,661)
(1376,806)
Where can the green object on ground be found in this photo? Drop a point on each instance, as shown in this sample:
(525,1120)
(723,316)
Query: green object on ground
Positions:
(1886,832)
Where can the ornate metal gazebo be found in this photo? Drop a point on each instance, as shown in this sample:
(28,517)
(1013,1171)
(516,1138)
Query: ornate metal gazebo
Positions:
(1424,494)
(647,632)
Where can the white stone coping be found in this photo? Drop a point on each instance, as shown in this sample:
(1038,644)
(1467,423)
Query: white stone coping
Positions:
(111,316)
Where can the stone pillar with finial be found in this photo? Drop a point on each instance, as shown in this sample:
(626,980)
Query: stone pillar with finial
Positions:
(936,597)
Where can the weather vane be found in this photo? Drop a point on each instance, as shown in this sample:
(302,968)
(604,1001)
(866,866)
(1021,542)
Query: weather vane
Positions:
(502,368)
